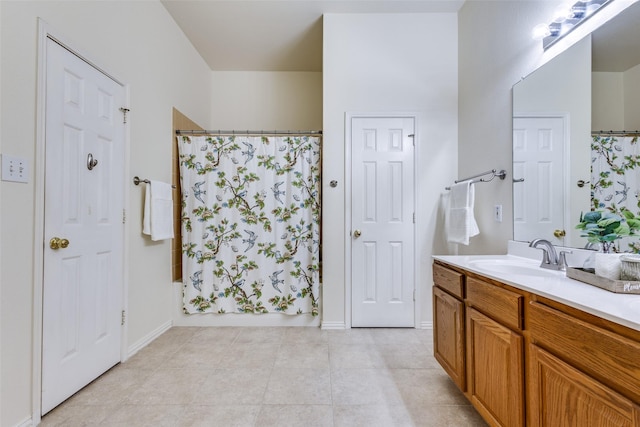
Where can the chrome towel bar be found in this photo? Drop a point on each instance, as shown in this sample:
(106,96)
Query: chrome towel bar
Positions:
(137,181)
(502,174)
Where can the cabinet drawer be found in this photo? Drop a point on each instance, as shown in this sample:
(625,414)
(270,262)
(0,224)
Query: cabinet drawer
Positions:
(606,356)
(449,280)
(496,302)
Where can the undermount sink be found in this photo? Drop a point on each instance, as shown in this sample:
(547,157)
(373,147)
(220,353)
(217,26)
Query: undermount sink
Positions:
(506,266)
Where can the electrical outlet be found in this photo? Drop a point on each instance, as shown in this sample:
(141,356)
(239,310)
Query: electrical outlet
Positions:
(497,213)
(15,169)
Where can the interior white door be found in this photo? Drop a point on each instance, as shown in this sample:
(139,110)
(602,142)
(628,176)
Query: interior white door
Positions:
(382,222)
(83,278)
(538,159)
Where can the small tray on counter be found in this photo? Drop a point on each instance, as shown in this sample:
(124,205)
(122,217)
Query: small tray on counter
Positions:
(617,286)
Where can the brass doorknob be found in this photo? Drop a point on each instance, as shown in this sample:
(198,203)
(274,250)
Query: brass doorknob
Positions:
(559,233)
(357,233)
(58,243)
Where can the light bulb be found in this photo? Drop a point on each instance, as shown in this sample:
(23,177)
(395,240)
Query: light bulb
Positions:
(562,13)
(578,10)
(540,31)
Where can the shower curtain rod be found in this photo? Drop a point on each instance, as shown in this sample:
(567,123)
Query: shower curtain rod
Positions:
(248,132)
(616,132)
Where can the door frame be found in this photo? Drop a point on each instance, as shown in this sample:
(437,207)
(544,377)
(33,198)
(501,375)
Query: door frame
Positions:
(349,116)
(45,32)
(566,163)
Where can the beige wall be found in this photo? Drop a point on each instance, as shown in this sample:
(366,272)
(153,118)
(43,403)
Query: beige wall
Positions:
(382,63)
(632,99)
(1,235)
(608,101)
(266,100)
(140,44)
(616,100)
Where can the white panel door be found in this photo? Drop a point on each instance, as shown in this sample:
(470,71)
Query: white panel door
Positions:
(382,225)
(83,282)
(538,158)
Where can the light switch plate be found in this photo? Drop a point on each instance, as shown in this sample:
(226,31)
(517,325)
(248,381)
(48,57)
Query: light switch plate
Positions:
(497,213)
(15,169)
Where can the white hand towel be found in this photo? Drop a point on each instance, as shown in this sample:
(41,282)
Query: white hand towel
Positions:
(460,222)
(158,211)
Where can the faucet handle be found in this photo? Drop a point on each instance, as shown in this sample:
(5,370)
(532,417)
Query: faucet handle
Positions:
(562,259)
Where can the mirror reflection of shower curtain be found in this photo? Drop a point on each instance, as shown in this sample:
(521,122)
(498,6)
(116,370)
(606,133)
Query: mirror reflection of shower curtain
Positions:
(615,169)
(250,223)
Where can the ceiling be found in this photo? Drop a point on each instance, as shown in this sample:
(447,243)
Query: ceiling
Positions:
(274,35)
(286,35)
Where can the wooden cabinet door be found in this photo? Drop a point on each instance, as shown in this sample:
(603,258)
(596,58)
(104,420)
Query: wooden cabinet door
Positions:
(448,335)
(560,395)
(495,370)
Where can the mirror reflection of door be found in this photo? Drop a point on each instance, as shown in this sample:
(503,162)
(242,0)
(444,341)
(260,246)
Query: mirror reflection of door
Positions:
(538,188)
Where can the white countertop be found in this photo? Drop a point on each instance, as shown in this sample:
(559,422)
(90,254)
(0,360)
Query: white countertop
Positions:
(623,309)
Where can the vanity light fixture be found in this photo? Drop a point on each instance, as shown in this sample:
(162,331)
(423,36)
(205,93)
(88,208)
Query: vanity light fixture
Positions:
(565,20)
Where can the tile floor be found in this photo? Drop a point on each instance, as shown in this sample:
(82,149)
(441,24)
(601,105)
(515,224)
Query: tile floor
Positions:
(274,377)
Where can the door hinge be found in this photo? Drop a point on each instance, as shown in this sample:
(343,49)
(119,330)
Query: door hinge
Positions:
(124,114)
(414,295)
(414,217)
(124,317)
(124,216)
(413,139)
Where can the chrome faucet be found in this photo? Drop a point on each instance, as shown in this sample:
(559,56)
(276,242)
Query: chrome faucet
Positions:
(550,258)
(592,246)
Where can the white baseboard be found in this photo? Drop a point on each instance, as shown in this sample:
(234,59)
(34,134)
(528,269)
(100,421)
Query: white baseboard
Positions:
(26,423)
(426,325)
(146,340)
(333,325)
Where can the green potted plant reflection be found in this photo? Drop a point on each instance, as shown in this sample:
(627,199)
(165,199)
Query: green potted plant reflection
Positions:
(604,227)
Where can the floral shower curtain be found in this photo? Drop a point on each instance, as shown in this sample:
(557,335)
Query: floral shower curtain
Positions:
(250,223)
(615,169)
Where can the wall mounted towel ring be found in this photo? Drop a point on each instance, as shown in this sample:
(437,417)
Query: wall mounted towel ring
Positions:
(91,162)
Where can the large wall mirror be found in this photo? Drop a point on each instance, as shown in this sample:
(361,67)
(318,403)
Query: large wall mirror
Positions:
(559,112)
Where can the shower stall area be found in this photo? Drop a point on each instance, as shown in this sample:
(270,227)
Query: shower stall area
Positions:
(247,204)
(250,221)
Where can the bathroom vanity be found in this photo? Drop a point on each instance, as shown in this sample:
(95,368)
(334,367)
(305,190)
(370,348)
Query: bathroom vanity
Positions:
(531,347)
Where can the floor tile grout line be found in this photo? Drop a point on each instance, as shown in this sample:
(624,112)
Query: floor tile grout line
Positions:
(331,396)
(266,387)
